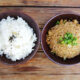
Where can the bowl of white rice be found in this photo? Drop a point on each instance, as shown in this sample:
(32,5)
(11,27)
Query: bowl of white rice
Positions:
(19,37)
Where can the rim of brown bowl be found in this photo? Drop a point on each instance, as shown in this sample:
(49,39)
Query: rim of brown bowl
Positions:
(32,24)
(50,23)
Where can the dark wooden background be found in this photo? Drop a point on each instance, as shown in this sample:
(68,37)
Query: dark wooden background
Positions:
(40,67)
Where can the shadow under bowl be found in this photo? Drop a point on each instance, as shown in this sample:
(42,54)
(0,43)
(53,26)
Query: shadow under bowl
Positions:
(32,24)
(46,49)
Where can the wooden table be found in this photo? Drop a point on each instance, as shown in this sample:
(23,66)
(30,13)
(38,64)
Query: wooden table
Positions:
(40,67)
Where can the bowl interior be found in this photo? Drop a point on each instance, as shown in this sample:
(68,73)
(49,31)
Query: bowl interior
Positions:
(46,48)
(32,24)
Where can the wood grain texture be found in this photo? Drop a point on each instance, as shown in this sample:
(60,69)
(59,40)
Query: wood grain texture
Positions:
(70,3)
(40,77)
(41,15)
(40,67)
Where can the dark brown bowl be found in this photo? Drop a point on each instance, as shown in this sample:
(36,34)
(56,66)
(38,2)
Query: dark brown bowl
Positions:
(35,27)
(47,51)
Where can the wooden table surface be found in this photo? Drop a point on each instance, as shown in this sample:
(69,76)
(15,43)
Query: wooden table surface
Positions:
(40,67)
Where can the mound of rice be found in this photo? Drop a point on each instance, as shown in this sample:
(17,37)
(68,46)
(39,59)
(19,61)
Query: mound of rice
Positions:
(17,38)
(63,50)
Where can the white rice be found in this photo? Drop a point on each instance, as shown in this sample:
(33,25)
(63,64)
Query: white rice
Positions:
(23,38)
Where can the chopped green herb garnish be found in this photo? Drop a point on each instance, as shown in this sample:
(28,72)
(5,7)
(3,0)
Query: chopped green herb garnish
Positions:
(68,38)
(74,38)
(58,22)
(60,38)
(64,21)
(74,44)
